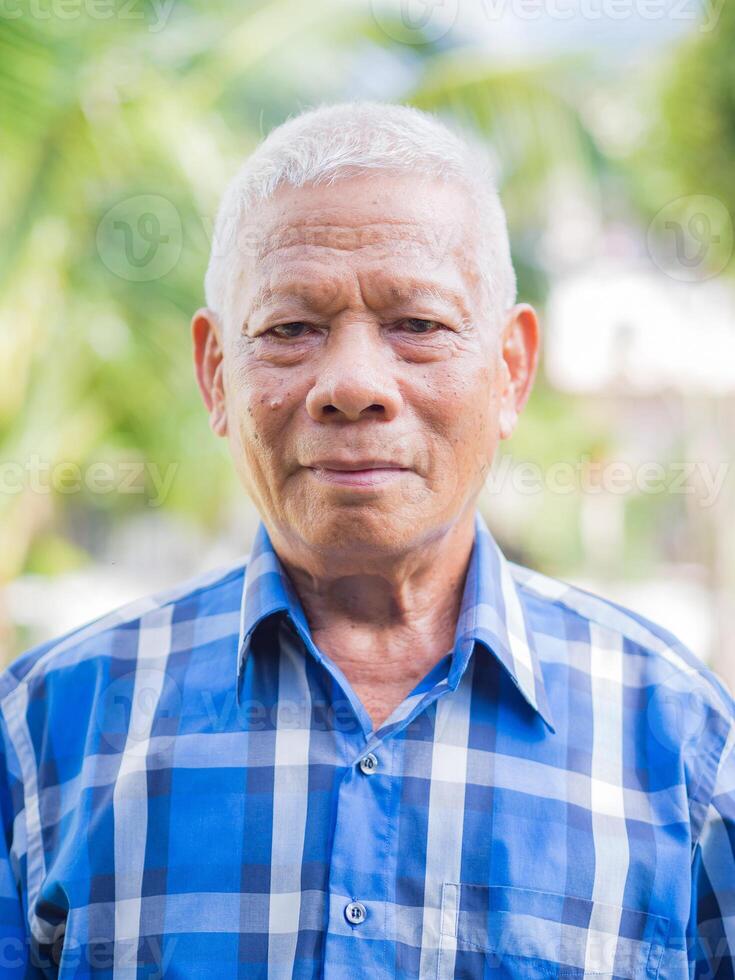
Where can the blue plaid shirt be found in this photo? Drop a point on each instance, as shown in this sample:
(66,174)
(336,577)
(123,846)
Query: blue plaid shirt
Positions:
(190,788)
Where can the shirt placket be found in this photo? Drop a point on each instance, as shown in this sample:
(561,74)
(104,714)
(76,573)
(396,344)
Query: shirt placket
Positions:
(360,888)
(361,935)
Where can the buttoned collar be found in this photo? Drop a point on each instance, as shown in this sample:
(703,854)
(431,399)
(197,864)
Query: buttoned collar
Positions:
(492,614)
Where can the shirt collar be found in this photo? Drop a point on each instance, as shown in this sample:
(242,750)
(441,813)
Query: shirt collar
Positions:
(492,613)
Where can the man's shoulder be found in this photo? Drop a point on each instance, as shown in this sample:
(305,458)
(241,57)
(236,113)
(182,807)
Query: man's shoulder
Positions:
(662,658)
(214,593)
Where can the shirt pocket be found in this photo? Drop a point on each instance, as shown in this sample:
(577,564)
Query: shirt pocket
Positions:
(503,932)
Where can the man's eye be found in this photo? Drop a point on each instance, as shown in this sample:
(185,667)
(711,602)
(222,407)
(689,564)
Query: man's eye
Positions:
(290,331)
(416,325)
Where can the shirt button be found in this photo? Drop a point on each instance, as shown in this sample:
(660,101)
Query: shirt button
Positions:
(368,764)
(355,913)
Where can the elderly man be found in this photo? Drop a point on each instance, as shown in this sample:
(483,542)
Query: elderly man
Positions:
(379,748)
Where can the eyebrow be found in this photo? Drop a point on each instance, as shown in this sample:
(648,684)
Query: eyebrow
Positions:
(399,293)
(264,295)
(407,294)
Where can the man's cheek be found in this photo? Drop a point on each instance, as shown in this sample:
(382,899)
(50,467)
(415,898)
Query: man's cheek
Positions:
(475,446)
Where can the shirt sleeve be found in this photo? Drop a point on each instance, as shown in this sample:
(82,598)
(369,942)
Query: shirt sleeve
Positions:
(15,958)
(712,923)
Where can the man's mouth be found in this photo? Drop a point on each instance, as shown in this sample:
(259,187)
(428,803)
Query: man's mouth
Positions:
(359,473)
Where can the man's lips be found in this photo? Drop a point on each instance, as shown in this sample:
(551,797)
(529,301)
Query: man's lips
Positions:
(357,473)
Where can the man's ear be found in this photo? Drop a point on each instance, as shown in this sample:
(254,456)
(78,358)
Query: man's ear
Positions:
(520,342)
(206,332)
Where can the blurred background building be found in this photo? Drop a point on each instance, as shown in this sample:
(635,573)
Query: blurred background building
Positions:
(612,124)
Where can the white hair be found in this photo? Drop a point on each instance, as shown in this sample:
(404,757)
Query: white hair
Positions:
(346,139)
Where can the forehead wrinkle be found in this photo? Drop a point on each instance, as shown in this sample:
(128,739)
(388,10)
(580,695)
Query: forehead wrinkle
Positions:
(342,238)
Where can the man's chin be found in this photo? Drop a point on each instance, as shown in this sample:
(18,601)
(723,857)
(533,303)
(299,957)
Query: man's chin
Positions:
(361,530)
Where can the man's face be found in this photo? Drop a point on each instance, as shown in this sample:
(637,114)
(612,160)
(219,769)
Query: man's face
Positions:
(359,370)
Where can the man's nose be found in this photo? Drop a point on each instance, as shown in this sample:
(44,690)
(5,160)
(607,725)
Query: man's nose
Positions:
(355,380)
